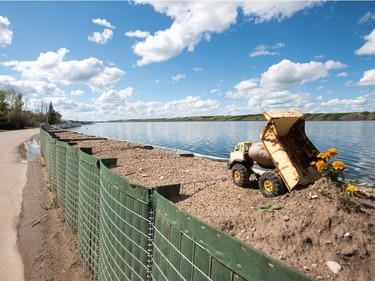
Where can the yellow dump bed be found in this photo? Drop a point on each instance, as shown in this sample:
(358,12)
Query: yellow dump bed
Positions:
(290,149)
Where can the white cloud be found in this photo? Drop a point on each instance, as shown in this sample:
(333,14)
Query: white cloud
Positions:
(195,20)
(287,74)
(369,16)
(262,11)
(369,47)
(137,34)
(264,50)
(176,78)
(101,37)
(113,96)
(27,86)
(246,85)
(78,93)
(342,74)
(362,103)
(109,106)
(330,64)
(368,78)
(6,35)
(103,22)
(272,90)
(190,106)
(197,69)
(105,35)
(284,75)
(68,108)
(51,66)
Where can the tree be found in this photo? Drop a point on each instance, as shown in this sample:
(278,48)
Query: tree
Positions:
(3,109)
(15,120)
(53,117)
(13,115)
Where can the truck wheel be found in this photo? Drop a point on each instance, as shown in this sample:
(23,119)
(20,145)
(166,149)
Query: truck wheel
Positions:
(240,175)
(271,184)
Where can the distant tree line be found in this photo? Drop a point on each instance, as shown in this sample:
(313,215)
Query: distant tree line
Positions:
(348,116)
(14,114)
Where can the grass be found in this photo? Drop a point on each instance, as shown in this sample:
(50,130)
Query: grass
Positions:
(269,207)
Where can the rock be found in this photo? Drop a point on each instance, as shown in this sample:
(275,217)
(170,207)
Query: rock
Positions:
(315,196)
(333,266)
(347,235)
(339,232)
(348,251)
(285,218)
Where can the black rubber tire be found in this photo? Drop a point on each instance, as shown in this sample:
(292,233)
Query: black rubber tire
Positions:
(240,175)
(271,184)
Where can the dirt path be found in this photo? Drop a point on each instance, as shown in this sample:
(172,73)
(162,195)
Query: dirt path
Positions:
(48,247)
(12,181)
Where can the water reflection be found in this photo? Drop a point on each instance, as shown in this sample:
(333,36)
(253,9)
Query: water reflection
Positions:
(27,151)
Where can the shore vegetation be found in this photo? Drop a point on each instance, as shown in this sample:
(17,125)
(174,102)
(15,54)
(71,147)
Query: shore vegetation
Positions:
(14,113)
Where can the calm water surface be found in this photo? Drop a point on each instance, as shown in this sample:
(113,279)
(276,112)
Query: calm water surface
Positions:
(354,140)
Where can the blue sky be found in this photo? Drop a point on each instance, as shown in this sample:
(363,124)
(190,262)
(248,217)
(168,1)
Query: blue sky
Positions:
(99,60)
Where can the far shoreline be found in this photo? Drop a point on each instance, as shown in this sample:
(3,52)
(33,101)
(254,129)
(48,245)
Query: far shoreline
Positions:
(348,116)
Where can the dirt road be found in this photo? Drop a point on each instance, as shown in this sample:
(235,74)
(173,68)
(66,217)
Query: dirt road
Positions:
(12,181)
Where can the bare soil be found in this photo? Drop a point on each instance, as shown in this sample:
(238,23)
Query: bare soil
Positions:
(47,246)
(304,229)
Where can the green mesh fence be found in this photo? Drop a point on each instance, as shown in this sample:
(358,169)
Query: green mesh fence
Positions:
(124,229)
(42,140)
(88,211)
(47,154)
(71,187)
(185,248)
(142,235)
(61,171)
(52,163)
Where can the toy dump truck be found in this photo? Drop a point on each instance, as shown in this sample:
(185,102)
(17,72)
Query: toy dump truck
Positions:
(281,162)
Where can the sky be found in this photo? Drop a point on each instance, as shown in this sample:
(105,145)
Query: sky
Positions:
(100,60)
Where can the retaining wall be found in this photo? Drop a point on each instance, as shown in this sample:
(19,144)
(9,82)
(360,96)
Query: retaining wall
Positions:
(130,232)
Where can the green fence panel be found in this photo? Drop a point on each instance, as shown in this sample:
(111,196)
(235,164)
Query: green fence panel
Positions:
(88,211)
(52,163)
(61,171)
(42,141)
(47,155)
(187,249)
(124,231)
(72,187)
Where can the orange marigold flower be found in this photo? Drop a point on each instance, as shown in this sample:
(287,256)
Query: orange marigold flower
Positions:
(321,165)
(312,163)
(338,165)
(321,155)
(332,152)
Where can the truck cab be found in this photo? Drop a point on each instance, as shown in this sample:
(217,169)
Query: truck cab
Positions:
(240,154)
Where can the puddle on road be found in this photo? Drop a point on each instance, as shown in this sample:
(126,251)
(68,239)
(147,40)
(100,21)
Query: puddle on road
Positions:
(27,150)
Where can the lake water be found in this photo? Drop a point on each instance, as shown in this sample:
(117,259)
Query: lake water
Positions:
(354,140)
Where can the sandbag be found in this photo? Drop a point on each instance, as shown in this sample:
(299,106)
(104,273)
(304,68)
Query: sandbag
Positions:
(258,153)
